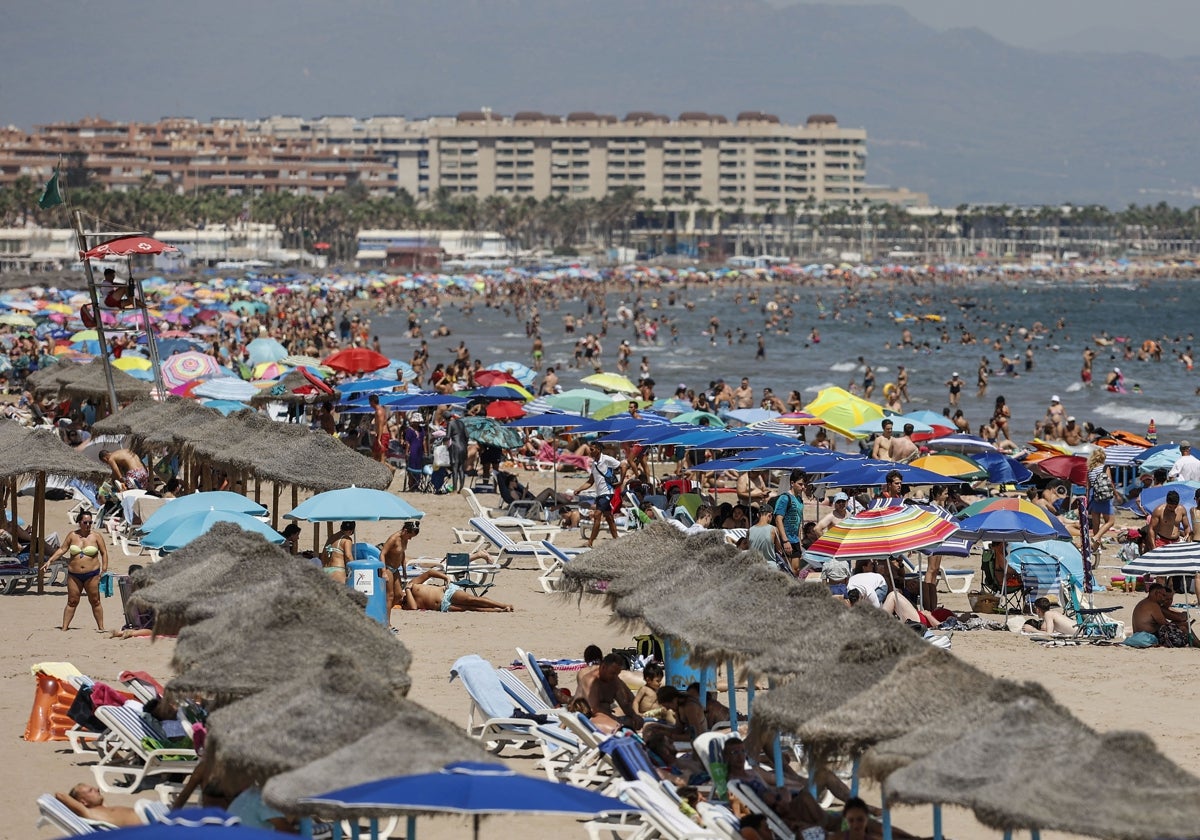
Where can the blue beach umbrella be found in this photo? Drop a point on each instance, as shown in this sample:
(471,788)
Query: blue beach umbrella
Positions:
(468,787)
(226,407)
(262,350)
(1006,526)
(212,500)
(358,504)
(1152,497)
(175,533)
(694,417)
(521,373)
(361,386)
(750,415)
(226,388)
(547,419)
(1001,468)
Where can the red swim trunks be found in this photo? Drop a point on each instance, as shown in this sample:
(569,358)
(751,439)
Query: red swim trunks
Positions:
(1160,541)
(381,444)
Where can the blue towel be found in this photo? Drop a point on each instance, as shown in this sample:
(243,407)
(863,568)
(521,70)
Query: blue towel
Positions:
(480,680)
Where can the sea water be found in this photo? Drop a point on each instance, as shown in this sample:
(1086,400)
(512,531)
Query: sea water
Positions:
(862,324)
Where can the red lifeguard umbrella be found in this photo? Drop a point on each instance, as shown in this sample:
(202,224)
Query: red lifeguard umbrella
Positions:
(505,410)
(321,246)
(356,360)
(128,246)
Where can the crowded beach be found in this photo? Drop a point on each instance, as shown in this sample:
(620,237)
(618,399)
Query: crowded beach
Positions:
(726,584)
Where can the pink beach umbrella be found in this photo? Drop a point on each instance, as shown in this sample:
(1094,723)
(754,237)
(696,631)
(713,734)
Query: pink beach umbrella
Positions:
(184,367)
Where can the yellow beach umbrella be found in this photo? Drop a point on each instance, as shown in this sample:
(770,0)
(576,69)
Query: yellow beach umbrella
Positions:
(611,382)
(842,411)
(131,363)
(951,465)
(616,407)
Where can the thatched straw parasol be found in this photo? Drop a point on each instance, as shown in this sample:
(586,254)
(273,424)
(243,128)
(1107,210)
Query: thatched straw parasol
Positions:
(88,382)
(145,417)
(188,585)
(40,451)
(214,660)
(46,380)
(413,741)
(897,704)
(1035,766)
(321,463)
(855,665)
(953,720)
(288,725)
(629,553)
(817,633)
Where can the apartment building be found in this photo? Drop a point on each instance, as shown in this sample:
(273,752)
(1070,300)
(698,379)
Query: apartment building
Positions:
(752,161)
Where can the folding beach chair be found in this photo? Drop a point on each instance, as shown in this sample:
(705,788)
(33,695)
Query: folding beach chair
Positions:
(137,751)
(1009,591)
(491,718)
(1041,574)
(510,548)
(1091,622)
(476,578)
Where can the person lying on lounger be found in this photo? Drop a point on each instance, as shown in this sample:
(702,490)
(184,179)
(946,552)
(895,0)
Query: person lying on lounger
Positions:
(87,801)
(419,595)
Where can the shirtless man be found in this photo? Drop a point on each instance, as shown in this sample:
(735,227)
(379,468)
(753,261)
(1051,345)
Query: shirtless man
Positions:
(743,397)
(393,554)
(903,448)
(840,511)
(882,448)
(1154,616)
(87,801)
(603,690)
(1168,522)
(419,595)
(1072,433)
(127,468)
(383,436)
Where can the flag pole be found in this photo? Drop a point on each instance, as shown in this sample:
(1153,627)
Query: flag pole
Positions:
(81,241)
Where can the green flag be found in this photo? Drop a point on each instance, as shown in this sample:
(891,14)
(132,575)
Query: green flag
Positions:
(51,197)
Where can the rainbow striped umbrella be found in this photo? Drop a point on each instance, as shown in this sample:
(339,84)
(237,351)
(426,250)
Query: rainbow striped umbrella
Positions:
(951,465)
(182,368)
(883,531)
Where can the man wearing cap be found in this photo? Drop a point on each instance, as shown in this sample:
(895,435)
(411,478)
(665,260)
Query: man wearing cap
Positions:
(1072,433)
(1187,468)
(839,512)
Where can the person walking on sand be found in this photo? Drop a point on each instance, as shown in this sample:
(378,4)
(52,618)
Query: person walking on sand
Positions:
(87,556)
(604,475)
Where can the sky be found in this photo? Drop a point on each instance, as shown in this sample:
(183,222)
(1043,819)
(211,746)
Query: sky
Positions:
(1166,27)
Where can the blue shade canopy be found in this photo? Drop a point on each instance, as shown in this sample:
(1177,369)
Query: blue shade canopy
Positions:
(1006,526)
(177,532)
(201,502)
(469,787)
(1152,497)
(875,473)
(367,385)
(354,504)
(1001,468)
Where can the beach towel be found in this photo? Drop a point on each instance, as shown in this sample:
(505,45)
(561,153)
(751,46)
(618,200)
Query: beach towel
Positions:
(1141,639)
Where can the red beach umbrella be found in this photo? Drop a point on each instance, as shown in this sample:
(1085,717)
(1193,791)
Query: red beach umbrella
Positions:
(505,410)
(1070,468)
(356,360)
(486,378)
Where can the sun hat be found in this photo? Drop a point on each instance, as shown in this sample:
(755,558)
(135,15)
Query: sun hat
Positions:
(835,570)
(841,497)
(1055,399)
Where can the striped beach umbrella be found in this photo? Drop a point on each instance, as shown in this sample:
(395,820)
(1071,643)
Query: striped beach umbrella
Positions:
(883,531)
(1181,558)
(951,465)
(185,367)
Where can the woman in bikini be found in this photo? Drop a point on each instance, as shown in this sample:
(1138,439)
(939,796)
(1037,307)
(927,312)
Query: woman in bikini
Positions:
(87,559)
(338,551)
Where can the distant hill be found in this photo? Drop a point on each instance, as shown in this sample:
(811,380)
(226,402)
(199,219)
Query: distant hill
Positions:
(958,113)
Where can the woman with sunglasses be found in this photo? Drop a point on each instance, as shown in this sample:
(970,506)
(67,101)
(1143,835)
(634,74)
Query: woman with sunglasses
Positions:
(87,559)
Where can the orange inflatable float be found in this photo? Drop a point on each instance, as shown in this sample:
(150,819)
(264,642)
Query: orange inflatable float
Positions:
(48,720)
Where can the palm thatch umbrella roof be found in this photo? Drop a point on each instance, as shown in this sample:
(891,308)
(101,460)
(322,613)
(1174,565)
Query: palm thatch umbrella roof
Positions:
(612,559)
(817,633)
(46,380)
(88,382)
(214,660)
(321,463)
(165,419)
(189,585)
(414,740)
(31,451)
(898,703)
(844,669)
(952,722)
(1035,766)
(298,721)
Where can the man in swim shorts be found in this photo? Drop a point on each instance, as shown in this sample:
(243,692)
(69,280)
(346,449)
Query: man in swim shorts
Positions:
(1168,522)
(127,468)
(419,595)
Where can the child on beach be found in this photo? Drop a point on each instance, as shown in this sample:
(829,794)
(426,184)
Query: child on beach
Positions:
(645,702)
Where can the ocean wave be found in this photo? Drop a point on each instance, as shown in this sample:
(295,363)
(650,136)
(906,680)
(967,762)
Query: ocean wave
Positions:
(1139,416)
(844,367)
(821,387)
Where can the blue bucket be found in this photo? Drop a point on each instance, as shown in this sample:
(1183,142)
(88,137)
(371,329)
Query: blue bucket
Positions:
(680,673)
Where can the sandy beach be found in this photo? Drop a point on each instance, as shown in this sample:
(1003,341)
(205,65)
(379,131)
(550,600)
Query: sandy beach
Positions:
(1108,688)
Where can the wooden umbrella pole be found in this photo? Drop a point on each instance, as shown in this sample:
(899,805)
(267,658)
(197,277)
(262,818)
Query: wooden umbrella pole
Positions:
(12,520)
(275,505)
(257,489)
(295,497)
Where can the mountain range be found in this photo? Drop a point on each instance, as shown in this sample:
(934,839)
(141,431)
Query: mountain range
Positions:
(955,113)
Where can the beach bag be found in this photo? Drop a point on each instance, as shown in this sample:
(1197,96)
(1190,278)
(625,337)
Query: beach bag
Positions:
(441,455)
(1102,488)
